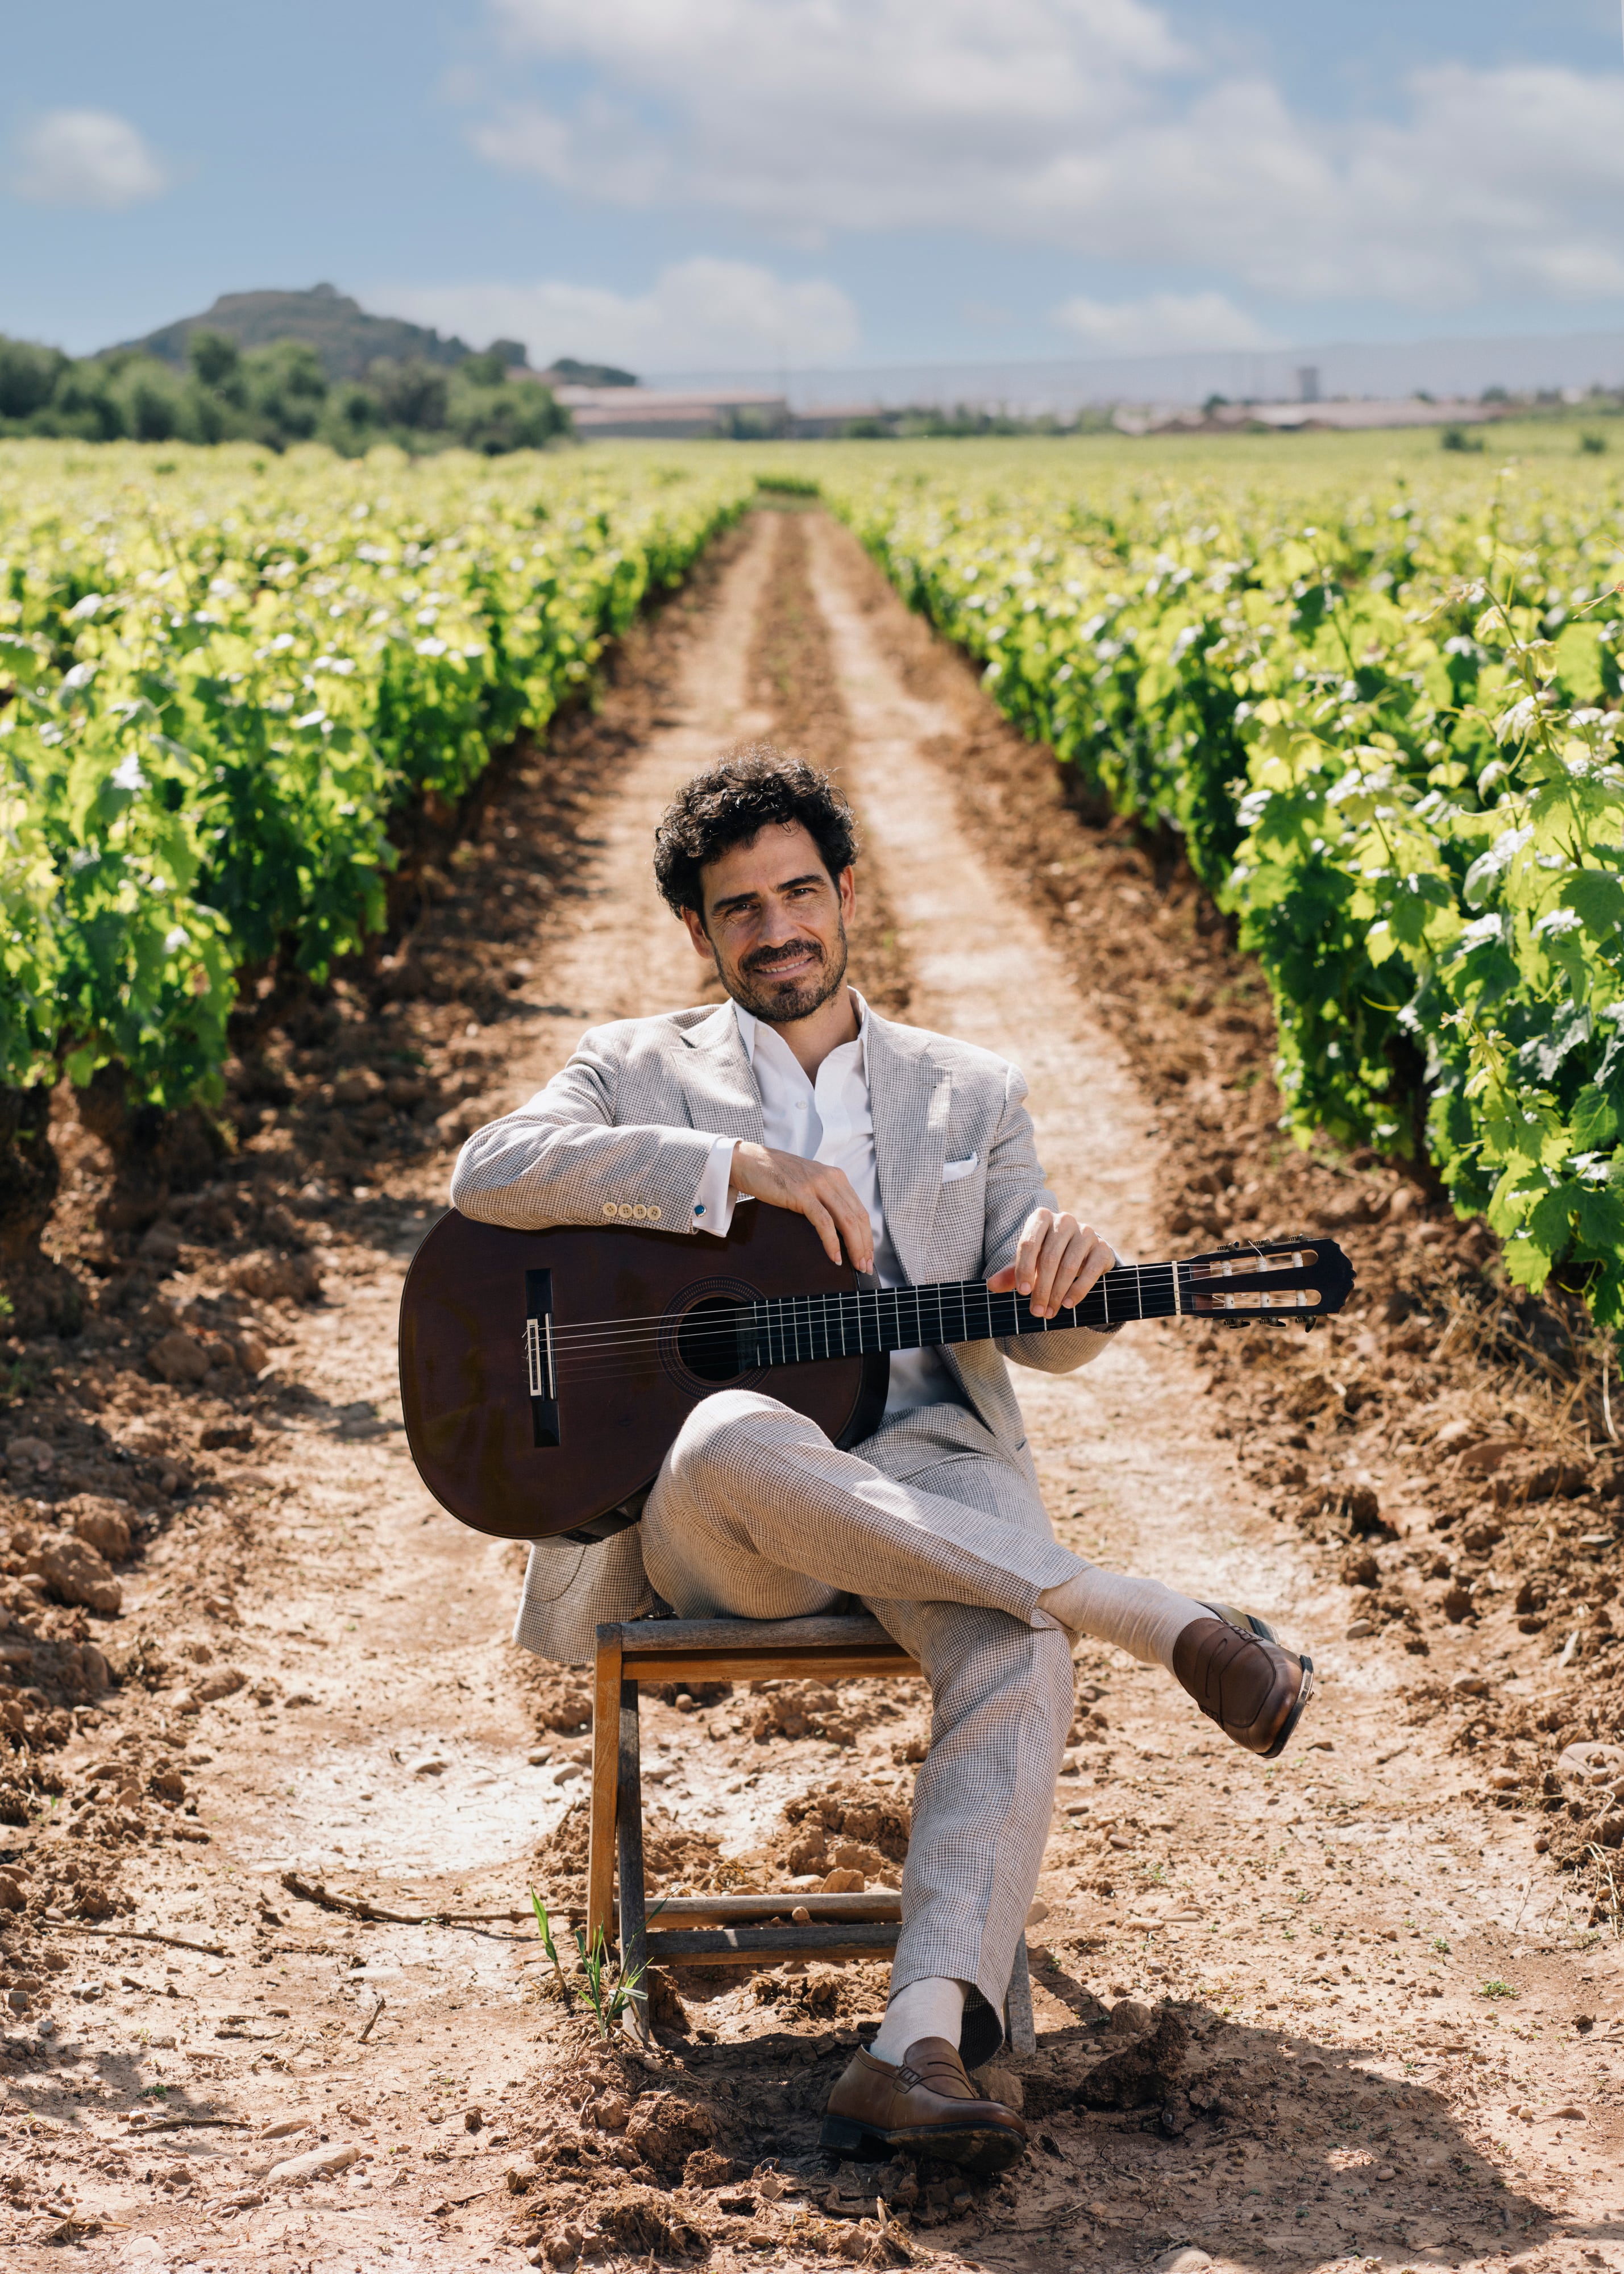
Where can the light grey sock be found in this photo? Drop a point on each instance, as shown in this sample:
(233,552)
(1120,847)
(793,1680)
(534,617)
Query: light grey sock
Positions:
(1139,1615)
(933,2007)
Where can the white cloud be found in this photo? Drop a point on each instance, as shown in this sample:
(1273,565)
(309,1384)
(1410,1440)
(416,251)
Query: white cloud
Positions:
(700,314)
(1086,124)
(88,158)
(1161,324)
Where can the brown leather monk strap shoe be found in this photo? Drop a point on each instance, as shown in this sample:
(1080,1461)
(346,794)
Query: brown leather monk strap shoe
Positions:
(925,2105)
(1239,1676)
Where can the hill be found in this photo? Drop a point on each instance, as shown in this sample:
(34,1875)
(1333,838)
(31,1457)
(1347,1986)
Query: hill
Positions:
(344,336)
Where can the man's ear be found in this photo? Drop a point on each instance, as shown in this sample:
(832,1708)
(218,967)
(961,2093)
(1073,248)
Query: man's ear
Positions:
(698,935)
(845,885)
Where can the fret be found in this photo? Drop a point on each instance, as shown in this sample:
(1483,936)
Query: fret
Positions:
(1138,1285)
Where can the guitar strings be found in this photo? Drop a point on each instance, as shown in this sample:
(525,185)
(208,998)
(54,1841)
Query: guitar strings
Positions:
(648,1326)
(813,1319)
(580,1366)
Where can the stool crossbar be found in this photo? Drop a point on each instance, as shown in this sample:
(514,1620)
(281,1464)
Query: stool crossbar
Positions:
(733,1930)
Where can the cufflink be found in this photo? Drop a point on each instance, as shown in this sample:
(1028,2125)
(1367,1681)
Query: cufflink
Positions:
(699,1208)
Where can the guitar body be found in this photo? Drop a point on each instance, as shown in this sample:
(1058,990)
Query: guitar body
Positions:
(506,1462)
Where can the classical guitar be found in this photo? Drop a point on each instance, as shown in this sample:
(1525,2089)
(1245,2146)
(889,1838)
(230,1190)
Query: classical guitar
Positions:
(544,1375)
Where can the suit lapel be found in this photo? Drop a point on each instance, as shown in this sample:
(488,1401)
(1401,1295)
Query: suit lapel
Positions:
(909,1096)
(715,1077)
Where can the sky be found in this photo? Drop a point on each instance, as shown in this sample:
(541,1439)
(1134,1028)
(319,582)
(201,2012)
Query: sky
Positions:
(750,184)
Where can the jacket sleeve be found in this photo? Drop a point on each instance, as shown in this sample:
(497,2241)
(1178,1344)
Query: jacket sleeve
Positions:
(1015,1186)
(563,1158)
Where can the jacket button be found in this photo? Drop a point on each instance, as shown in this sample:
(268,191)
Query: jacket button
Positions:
(610,1208)
(653,1215)
(640,1210)
(626,1211)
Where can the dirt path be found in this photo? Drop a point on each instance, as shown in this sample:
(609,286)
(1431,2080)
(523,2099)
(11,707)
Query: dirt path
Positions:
(1324,1929)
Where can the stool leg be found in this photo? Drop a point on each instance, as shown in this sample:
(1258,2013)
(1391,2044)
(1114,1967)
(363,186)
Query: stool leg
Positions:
(605,1765)
(1018,2025)
(628,1791)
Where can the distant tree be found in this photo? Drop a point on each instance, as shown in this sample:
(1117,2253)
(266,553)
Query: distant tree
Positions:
(216,363)
(83,406)
(154,404)
(514,414)
(287,390)
(415,396)
(28,377)
(1494,395)
(351,420)
(491,368)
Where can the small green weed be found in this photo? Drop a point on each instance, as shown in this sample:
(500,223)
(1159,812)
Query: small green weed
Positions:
(610,1991)
(1495,1987)
(544,1928)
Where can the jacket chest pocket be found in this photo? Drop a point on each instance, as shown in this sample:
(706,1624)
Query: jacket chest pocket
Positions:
(959,1225)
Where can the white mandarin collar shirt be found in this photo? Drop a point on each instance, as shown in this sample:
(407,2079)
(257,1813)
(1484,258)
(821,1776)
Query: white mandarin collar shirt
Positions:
(828,1121)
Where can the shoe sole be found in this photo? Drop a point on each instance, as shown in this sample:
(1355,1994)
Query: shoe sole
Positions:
(1303,1696)
(980,2150)
(1248,1623)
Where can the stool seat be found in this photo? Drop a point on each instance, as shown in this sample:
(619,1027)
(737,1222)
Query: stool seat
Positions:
(756,1929)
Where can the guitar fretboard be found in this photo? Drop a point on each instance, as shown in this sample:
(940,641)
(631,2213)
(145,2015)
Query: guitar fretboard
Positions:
(789,1329)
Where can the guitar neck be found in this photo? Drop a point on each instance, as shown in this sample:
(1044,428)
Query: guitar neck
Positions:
(785,1329)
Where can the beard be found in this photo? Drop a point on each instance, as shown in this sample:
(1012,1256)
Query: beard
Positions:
(753,988)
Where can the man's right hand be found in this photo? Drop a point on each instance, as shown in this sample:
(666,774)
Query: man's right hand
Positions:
(822,1194)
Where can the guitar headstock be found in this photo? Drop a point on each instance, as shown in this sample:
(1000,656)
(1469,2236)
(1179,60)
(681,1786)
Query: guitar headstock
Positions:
(1274,1282)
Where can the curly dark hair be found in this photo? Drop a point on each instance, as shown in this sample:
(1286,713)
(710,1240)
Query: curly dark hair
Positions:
(754,785)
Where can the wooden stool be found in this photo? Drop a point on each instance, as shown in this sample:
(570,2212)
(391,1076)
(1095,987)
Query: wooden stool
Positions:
(745,1929)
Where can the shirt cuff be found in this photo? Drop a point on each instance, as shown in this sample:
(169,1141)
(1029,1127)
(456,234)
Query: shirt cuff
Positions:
(713,1202)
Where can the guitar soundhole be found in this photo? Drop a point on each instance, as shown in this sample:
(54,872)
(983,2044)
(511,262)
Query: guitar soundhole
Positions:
(708,1340)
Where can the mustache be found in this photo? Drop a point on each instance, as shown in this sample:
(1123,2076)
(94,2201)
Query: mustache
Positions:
(765,961)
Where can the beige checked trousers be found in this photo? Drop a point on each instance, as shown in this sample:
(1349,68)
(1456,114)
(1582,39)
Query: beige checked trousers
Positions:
(756,1515)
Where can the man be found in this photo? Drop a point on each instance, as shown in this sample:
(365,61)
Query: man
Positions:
(913,1155)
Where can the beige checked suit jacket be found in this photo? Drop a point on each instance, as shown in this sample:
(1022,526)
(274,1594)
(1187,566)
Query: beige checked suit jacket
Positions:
(623,1133)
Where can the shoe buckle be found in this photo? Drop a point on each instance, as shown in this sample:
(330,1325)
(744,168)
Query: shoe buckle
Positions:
(907,2078)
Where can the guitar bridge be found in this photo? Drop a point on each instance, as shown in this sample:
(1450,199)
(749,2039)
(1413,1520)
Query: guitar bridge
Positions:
(541,1357)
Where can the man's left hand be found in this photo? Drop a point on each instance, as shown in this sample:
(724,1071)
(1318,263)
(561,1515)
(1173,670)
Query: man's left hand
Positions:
(1057,1261)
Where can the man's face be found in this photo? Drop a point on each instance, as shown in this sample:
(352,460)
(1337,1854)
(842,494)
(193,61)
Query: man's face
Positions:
(775,923)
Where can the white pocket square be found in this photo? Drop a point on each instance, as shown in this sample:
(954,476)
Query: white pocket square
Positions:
(952,1170)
